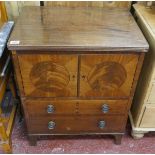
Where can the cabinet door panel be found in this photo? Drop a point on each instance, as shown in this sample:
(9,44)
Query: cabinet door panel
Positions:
(107,75)
(49,75)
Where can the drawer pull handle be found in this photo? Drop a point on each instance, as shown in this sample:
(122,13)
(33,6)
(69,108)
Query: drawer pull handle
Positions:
(51,125)
(50,109)
(105,108)
(102,124)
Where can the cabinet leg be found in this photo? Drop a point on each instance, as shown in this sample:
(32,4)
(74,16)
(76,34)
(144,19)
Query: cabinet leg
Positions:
(118,139)
(33,140)
(138,134)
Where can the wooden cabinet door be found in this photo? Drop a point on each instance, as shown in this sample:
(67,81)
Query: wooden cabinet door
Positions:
(49,75)
(107,75)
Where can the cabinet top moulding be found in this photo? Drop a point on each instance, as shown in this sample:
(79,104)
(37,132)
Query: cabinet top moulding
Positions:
(76,29)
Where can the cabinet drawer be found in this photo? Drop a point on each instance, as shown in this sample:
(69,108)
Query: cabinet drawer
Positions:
(148,119)
(49,107)
(79,107)
(64,125)
(102,107)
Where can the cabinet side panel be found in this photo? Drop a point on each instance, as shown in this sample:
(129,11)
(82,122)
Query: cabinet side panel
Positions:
(17,73)
(139,97)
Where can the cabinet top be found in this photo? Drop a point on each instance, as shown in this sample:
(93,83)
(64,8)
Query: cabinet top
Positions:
(76,29)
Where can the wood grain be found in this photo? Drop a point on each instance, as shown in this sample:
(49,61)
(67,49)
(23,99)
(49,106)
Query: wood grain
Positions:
(49,75)
(77,60)
(71,29)
(73,107)
(19,81)
(101,4)
(95,107)
(70,125)
(107,75)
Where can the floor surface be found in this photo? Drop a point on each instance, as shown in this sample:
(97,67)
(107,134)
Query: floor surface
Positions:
(81,144)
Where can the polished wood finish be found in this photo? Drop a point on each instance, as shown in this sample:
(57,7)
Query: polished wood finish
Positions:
(100,4)
(76,124)
(96,107)
(107,75)
(141,115)
(18,73)
(78,70)
(75,107)
(49,76)
(14,8)
(42,107)
(80,29)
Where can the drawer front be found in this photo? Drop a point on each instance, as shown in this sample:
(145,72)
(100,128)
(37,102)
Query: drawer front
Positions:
(148,119)
(76,107)
(46,75)
(66,125)
(49,107)
(102,107)
(107,75)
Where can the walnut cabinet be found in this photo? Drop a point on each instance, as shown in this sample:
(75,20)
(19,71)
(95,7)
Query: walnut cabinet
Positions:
(75,73)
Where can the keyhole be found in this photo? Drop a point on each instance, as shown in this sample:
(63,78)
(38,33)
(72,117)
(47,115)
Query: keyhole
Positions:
(73,77)
(83,77)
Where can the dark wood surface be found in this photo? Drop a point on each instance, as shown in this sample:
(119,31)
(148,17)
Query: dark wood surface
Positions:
(77,29)
(76,124)
(107,75)
(74,107)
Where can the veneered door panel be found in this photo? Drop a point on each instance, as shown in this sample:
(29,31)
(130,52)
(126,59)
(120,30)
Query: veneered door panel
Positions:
(49,75)
(107,75)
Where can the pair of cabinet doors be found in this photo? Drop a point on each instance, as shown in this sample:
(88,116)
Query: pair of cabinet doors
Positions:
(71,75)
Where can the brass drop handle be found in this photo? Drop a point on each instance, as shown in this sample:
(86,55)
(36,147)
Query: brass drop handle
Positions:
(50,109)
(105,108)
(101,124)
(51,125)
